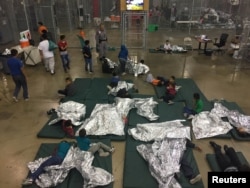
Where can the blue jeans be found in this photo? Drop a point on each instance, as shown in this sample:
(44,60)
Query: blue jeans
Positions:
(123,64)
(189,111)
(54,160)
(20,81)
(88,64)
(65,61)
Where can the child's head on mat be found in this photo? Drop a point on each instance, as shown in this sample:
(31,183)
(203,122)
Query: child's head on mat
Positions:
(82,132)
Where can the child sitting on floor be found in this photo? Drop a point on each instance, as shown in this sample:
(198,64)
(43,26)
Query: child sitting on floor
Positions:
(84,144)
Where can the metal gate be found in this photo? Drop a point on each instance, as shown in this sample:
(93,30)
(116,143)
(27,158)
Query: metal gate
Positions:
(134,29)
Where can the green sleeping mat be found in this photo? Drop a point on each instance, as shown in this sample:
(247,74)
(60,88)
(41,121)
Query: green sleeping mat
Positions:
(211,159)
(98,89)
(134,118)
(136,172)
(161,90)
(169,112)
(52,131)
(74,178)
(153,50)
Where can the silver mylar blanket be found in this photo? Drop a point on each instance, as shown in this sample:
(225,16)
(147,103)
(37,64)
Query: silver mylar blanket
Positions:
(121,85)
(136,68)
(103,120)
(157,131)
(168,152)
(208,124)
(234,116)
(75,158)
(108,118)
(70,111)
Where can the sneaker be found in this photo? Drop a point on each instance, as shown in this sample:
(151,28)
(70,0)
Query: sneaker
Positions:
(124,73)
(52,72)
(109,87)
(26,99)
(15,99)
(27,181)
(195,179)
(104,154)
(170,102)
(90,72)
(214,145)
(190,117)
(112,150)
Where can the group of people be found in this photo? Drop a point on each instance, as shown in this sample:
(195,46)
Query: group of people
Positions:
(82,142)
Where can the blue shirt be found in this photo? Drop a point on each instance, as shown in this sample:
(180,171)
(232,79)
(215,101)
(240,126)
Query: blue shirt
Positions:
(63,149)
(83,143)
(123,52)
(15,66)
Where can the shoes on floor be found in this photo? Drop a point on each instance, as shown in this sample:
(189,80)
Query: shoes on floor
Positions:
(170,102)
(27,181)
(15,99)
(104,154)
(214,145)
(109,87)
(225,147)
(90,72)
(26,99)
(52,72)
(195,179)
(190,117)
(112,150)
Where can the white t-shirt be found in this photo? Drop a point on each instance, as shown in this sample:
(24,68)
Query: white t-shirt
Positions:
(167,46)
(44,47)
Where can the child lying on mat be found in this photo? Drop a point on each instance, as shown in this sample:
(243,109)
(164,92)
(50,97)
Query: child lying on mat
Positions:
(232,165)
(67,127)
(186,168)
(84,144)
(56,159)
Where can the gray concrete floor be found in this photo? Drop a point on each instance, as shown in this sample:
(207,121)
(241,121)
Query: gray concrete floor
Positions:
(217,76)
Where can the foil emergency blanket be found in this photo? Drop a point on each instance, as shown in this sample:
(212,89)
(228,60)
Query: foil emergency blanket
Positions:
(136,68)
(70,111)
(235,118)
(104,119)
(207,124)
(124,105)
(145,107)
(121,85)
(75,158)
(158,131)
(164,160)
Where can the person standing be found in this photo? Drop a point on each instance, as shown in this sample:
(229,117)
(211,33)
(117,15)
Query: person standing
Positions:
(123,58)
(17,72)
(87,57)
(62,46)
(102,39)
(46,55)
(42,28)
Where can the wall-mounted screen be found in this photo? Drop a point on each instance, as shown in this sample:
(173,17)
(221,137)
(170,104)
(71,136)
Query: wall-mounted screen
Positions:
(134,4)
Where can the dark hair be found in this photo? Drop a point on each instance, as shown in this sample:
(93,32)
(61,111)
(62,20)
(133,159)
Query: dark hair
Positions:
(173,77)
(13,52)
(68,79)
(87,42)
(142,61)
(82,132)
(62,37)
(40,23)
(68,123)
(44,36)
(114,74)
(44,31)
(196,96)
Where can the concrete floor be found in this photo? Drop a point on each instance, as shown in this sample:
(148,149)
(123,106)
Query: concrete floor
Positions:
(217,77)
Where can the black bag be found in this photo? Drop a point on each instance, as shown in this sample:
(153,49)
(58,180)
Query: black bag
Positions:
(105,67)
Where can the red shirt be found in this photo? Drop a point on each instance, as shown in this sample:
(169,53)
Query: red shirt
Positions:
(62,44)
